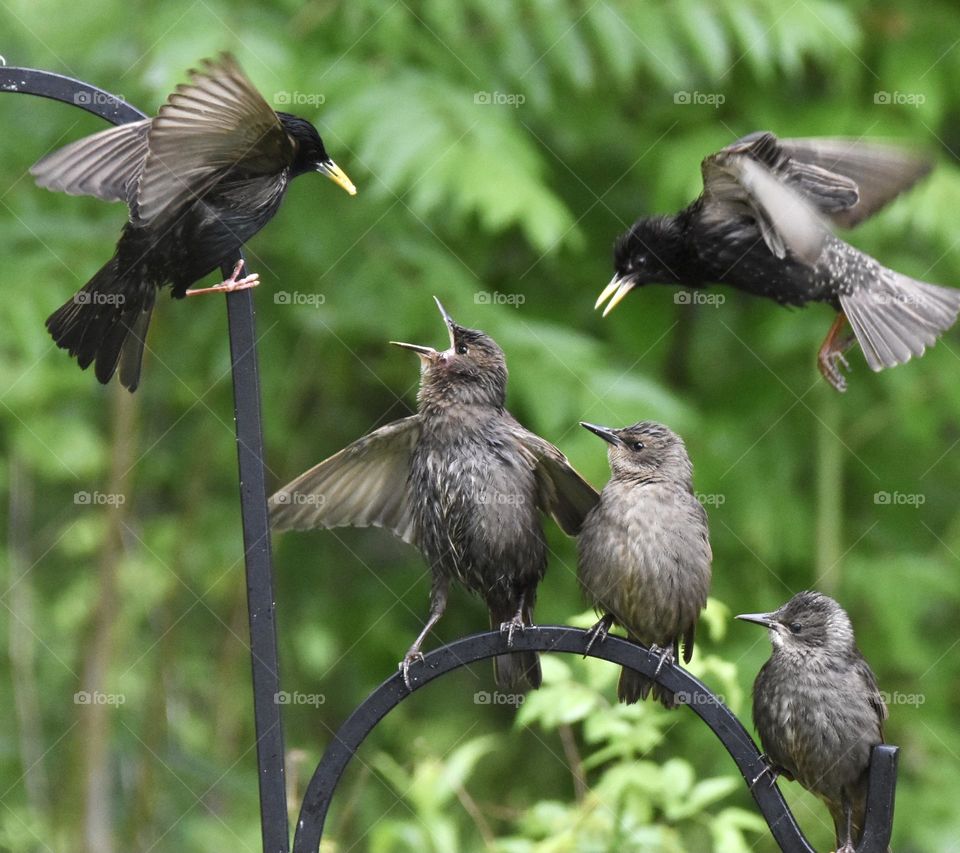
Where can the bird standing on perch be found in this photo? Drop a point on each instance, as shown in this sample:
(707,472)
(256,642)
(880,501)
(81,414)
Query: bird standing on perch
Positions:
(200,179)
(463,481)
(817,708)
(644,552)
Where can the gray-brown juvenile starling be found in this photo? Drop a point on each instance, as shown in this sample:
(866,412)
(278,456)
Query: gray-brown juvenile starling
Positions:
(644,552)
(200,179)
(817,708)
(759,227)
(463,481)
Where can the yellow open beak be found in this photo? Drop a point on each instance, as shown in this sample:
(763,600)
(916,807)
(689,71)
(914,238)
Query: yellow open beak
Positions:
(618,288)
(337,175)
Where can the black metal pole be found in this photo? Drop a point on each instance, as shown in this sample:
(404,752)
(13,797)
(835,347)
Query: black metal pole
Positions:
(264,656)
(253,496)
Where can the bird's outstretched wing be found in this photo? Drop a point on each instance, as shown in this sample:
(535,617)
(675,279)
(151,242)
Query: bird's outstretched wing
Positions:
(880,171)
(562,491)
(749,178)
(217,121)
(786,185)
(365,484)
(106,165)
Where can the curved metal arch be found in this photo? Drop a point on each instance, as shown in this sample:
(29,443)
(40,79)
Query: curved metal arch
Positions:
(728,729)
(58,87)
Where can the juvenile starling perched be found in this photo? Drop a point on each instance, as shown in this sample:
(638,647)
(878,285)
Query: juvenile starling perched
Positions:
(200,180)
(817,708)
(463,481)
(758,226)
(644,552)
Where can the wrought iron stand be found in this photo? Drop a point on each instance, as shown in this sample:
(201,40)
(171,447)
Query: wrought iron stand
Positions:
(263,633)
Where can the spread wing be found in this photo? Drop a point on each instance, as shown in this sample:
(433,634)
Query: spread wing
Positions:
(881,172)
(749,178)
(562,491)
(217,121)
(365,484)
(787,185)
(106,165)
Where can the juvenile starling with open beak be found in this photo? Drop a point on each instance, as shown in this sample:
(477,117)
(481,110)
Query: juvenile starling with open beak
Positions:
(817,708)
(644,552)
(463,481)
(759,226)
(200,179)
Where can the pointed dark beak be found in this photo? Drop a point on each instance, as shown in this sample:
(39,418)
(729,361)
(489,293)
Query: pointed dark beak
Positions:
(337,175)
(427,354)
(765,619)
(615,291)
(605,433)
(451,323)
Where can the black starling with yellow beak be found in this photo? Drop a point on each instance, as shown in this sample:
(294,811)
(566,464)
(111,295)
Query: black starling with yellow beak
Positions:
(760,226)
(200,179)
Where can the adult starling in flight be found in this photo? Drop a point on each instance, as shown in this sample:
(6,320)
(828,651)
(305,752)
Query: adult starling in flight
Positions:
(463,481)
(759,226)
(200,179)
(817,708)
(644,552)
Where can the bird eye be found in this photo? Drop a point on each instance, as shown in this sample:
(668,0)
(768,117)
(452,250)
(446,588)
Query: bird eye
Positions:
(637,445)
(795,627)
(462,349)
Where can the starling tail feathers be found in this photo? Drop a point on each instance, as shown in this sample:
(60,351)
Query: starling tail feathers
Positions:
(633,686)
(104,322)
(900,318)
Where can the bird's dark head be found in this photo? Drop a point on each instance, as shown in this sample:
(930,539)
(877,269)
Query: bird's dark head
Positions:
(646,452)
(472,371)
(310,154)
(810,622)
(643,255)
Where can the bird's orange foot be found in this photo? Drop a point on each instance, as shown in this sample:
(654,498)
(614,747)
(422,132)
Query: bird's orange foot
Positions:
(830,363)
(830,357)
(231,284)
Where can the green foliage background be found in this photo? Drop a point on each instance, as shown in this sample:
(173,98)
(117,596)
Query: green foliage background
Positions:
(144,601)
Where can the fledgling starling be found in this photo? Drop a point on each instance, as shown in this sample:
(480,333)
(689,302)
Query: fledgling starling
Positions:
(759,226)
(463,481)
(644,552)
(200,179)
(817,708)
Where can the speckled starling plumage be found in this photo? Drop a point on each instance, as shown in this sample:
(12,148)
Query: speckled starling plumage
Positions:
(760,226)
(462,480)
(644,557)
(817,708)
